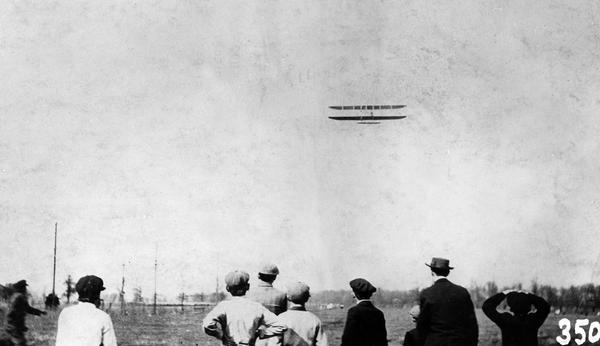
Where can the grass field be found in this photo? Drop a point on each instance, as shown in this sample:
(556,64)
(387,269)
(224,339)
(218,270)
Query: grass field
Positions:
(171,327)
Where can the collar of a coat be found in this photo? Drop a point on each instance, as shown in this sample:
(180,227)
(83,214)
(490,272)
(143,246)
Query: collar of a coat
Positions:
(264,284)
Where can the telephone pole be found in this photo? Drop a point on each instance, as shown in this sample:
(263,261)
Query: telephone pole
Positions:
(54,271)
(122,292)
(155,266)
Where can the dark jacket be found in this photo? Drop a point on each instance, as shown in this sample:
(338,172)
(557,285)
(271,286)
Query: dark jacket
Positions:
(517,330)
(365,326)
(18,308)
(411,338)
(447,316)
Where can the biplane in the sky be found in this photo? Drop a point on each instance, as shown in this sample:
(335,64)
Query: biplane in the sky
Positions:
(367,119)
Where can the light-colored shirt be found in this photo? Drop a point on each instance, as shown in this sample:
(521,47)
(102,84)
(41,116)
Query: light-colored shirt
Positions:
(238,319)
(85,325)
(270,297)
(304,328)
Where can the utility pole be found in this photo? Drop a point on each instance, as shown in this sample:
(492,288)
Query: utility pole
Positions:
(54,271)
(122,292)
(155,266)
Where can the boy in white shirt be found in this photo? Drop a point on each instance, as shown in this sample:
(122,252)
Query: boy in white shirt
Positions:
(84,324)
(304,328)
(239,321)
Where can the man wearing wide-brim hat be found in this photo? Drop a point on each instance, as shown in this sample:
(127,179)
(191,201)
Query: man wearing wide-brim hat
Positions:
(365,324)
(447,316)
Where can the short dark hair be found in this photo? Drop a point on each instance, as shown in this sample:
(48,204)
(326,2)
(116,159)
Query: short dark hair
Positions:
(267,277)
(518,302)
(441,271)
(238,291)
(363,295)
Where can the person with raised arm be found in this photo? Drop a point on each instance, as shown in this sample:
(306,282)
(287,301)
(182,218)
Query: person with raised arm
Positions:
(519,327)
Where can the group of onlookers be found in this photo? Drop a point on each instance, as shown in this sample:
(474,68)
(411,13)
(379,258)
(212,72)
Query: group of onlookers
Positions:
(445,315)
(265,316)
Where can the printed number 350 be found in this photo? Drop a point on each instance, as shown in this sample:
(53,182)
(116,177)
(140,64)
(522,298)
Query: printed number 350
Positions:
(565,325)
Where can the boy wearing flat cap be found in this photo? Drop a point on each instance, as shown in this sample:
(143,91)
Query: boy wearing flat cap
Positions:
(365,324)
(447,315)
(264,292)
(240,321)
(519,328)
(303,327)
(84,324)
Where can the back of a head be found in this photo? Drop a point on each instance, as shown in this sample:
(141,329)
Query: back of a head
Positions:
(268,272)
(441,271)
(298,293)
(414,312)
(518,302)
(88,289)
(440,266)
(20,286)
(237,282)
(362,288)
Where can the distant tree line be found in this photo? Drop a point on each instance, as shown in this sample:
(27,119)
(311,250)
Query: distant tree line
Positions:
(583,299)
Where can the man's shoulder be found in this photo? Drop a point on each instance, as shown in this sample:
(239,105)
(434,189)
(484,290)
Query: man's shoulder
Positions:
(238,302)
(365,308)
(426,291)
(259,289)
(294,314)
(80,309)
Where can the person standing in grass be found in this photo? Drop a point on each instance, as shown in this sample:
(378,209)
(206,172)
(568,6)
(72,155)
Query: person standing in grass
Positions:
(270,297)
(447,316)
(520,327)
(84,324)
(411,338)
(264,293)
(365,324)
(18,308)
(303,327)
(240,321)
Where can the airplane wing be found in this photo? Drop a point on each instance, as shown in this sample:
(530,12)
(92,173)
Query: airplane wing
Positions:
(367,118)
(367,107)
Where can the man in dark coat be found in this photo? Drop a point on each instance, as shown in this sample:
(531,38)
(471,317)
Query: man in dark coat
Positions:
(447,315)
(15,317)
(519,328)
(365,324)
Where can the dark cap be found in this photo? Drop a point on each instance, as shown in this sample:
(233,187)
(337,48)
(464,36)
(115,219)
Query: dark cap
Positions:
(439,263)
(89,285)
(362,287)
(518,302)
(20,284)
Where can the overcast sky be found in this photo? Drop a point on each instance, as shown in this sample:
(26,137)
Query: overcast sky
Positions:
(200,129)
